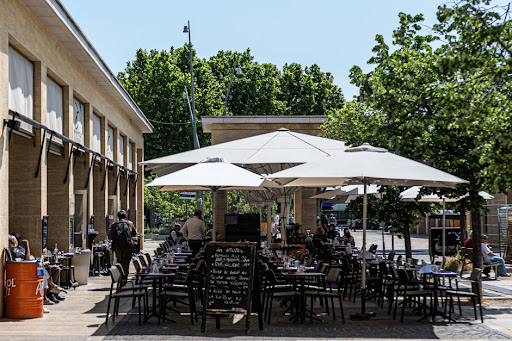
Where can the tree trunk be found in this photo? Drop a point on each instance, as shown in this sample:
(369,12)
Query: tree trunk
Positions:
(477,228)
(151,217)
(407,242)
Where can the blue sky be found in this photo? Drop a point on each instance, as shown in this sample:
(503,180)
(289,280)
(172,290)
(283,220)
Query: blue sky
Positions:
(334,34)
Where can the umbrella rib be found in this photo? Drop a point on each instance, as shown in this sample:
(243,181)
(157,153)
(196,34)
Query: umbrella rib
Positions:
(323,151)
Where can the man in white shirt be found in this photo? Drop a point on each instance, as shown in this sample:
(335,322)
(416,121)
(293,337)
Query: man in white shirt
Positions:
(490,257)
(176,234)
(193,230)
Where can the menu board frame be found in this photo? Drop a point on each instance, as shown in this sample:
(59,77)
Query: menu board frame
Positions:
(215,293)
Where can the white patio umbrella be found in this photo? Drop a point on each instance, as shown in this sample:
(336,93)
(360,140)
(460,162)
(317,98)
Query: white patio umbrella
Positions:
(412,194)
(263,154)
(346,190)
(365,165)
(212,174)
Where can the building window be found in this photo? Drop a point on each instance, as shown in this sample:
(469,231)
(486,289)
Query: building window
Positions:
(54,112)
(21,86)
(121,150)
(110,143)
(78,121)
(130,155)
(96,133)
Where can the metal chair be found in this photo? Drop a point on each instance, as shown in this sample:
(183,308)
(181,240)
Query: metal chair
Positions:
(475,280)
(119,293)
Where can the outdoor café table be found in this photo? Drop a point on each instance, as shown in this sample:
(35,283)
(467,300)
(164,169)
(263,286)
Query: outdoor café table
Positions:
(288,249)
(294,268)
(158,278)
(299,280)
(436,276)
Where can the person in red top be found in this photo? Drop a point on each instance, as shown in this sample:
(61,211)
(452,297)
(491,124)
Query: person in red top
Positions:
(469,241)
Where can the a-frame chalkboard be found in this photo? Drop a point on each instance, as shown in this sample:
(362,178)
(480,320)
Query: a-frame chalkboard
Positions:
(229,283)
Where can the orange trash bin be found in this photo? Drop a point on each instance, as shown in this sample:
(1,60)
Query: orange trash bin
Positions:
(24,291)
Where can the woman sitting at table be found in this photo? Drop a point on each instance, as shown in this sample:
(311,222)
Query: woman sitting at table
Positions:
(320,234)
(347,237)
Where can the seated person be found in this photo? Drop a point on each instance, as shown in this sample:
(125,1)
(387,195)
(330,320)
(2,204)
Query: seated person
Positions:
(490,257)
(469,241)
(332,233)
(176,234)
(347,237)
(22,250)
(320,234)
(209,229)
(52,291)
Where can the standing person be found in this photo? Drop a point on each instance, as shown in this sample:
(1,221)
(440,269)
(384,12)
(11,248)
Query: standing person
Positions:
(193,230)
(490,257)
(121,233)
(353,224)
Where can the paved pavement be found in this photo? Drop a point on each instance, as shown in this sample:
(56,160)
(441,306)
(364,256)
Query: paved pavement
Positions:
(82,317)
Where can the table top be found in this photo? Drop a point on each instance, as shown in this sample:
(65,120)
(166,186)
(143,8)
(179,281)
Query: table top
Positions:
(294,268)
(155,274)
(305,274)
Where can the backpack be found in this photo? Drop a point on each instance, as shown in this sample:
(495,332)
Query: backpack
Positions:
(122,234)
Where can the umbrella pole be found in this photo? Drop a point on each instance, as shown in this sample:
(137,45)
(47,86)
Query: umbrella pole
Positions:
(269,224)
(214,213)
(363,275)
(363,315)
(383,244)
(444,231)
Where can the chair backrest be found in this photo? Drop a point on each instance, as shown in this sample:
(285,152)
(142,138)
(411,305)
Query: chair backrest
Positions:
(148,258)
(333,275)
(476,274)
(8,255)
(142,260)
(324,268)
(403,276)
(115,274)
(373,248)
(393,272)
(136,265)
(120,268)
(310,260)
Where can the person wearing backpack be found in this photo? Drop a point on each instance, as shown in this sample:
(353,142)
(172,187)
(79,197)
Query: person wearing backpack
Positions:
(121,233)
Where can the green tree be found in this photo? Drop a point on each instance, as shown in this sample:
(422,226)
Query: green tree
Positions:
(449,105)
(399,215)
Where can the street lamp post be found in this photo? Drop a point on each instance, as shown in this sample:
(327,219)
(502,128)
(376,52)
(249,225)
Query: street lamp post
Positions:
(186,29)
(238,72)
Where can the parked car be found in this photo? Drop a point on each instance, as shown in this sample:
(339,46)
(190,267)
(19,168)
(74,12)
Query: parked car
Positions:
(371,225)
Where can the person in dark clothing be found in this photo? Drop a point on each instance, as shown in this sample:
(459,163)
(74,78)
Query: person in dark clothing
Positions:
(121,240)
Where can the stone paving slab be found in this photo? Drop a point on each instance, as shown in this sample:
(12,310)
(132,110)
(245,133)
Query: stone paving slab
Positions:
(381,327)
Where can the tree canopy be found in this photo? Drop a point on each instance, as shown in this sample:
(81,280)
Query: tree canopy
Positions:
(442,97)
(157,79)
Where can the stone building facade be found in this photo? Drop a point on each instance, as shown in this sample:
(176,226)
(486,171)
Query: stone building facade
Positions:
(72,160)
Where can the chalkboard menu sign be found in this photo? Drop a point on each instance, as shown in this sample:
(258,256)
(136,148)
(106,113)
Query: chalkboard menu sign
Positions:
(45,231)
(230,268)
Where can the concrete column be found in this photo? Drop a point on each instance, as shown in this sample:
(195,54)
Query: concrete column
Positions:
(221,206)
(4,154)
(123,183)
(305,208)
